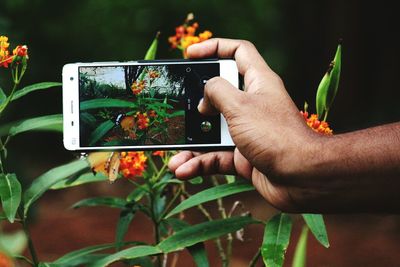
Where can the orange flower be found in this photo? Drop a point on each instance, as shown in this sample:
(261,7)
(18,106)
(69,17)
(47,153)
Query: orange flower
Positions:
(21,51)
(152,114)
(153,74)
(137,87)
(132,164)
(159,153)
(142,120)
(5,261)
(5,58)
(185,35)
(315,124)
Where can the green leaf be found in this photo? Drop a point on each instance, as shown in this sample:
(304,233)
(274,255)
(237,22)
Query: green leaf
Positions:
(10,193)
(112,202)
(124,221)
(43,123)
(276,240)
(138,193)
(196,180)
(48,179)
(300,254)
(100,131)
(317,226)
(230,178)
(329,84)
(151,52)
(3,96)
(77,255)
(212,194)
(126,254)
(34,87)
(204,231)
(71,256)
(198,250)
(106,103)
(13,243)
(85,178)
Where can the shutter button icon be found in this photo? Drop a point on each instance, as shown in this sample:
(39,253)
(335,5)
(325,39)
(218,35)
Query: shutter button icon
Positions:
(205,126)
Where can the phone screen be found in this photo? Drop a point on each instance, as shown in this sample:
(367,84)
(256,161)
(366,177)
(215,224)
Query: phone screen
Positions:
(139,105)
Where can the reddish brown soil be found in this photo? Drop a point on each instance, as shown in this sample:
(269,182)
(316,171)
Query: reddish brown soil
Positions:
(356,240)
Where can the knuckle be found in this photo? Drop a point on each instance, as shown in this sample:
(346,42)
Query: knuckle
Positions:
(246,44)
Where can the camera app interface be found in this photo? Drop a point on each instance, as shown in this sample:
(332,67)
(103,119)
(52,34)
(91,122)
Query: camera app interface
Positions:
(145,105)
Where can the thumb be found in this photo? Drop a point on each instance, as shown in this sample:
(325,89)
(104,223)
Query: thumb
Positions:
(220,96)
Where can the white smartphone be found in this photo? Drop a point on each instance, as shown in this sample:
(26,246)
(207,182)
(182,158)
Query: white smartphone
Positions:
(142,105)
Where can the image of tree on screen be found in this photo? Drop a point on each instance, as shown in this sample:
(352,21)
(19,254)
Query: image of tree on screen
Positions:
(131,105)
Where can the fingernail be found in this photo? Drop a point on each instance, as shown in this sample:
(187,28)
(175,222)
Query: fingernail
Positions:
(200,103)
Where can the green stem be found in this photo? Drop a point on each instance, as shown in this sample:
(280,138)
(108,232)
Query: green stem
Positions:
(229,237)
(326,114)
(206,214)
(31,247)
(169,205)
(254,260)
(155,226)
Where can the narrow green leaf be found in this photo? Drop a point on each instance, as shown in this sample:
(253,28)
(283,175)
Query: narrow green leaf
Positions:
(317,226)
(152,51)
(51,177)
(198,250)
(300,254)
(100,131)
(85,178)
(204,231)
(138,193)
(76,255)
(10,193)
(335,77)
(196,180)
(276,240)
(230,179)
(71,256)
(3,96)
(126,254)
(112,202)
(106,103)
(124,221)
(329,84)
(43,123)
(212,194)
(34,87)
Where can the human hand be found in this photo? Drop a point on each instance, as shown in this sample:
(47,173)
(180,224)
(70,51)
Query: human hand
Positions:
(269,133)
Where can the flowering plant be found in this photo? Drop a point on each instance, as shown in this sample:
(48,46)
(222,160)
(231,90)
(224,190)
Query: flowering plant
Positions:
(155,191)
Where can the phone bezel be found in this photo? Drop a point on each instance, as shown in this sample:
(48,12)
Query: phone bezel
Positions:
(228,71)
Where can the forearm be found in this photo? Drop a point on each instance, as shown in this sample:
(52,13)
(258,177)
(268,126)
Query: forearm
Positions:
(357,171)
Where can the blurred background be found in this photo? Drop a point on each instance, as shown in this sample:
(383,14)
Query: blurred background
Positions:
(297,39)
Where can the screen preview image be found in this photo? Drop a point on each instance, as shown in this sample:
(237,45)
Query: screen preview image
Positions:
(138,105)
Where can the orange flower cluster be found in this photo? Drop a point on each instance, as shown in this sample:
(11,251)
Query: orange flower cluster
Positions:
(159,153)
(137,87)
(153,74)
(142,120)
(315,124)
(19,52)
(185,35)
(132,164)
(152,114)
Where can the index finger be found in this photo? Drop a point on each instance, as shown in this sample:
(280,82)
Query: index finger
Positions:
(244,52)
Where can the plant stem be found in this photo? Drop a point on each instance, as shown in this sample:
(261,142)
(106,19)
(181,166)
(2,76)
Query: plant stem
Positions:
(206,214)
(169,205)
(156,226)
(31,247)
(254,260)
(229,237)
(326,115)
